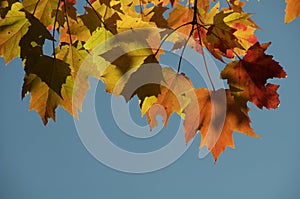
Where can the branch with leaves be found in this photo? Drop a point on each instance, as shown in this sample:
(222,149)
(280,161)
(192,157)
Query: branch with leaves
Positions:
(229,32)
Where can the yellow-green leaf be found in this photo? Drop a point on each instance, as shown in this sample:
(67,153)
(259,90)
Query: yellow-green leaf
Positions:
(12,28)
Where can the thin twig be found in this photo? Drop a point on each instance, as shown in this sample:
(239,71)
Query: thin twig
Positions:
(165,38)
(67,20)
(195,11)
(185,44)
(35,7)
(98,16)
(204,59)
(228,4)
(141,9)
(53,35)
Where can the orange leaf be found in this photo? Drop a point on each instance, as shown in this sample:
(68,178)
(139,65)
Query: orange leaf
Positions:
(171,99)
(292,10)
(218,115)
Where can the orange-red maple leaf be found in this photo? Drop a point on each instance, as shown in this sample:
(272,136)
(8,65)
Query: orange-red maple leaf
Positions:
(248,77)
(216,115)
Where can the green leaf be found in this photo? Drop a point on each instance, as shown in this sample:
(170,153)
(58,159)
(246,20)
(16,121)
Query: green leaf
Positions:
(12,28)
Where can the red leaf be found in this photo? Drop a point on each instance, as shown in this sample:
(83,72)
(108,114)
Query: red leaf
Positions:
(248,77)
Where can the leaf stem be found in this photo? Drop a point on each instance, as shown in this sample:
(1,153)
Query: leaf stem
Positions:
(184,47)
(169,34)
(68,24)
(141,8)
(35,7)
(97,14)
(204,59)
(53,35)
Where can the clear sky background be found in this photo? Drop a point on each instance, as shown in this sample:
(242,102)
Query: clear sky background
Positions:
(38,162)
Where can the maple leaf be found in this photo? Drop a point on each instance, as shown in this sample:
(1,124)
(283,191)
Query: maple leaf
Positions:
(51,71)
(236,5)
(248,77)
(145,81)
(171,100)
(13,27)
(41,9)
(156,15)
(68,8)
(118,73)
(244,26)
(73,86)
(32,42)
(76,30)
(119,57)
(220,38)
(179,16)
(101,15)
(42,98)
(292,10)
(74,90)
(5,6)
(117,41)
(215,121)
(127,23)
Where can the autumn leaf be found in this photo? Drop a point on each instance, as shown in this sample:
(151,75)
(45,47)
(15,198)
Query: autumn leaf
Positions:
(77,84)
(155,14)
(221,45)
(32,42)
(171,100)
(101,15)
(5,6)
(179,16)
(122,67)
(121,43)
(248,77)
(244,26)
(76,31)
(68,9)
(42,98)
(51,71)
(218,115)
(145,81)
(292,10)
(236,5)
(13,27)
(41,9)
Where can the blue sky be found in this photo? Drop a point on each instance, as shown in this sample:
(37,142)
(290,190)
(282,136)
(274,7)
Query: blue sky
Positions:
(51,162)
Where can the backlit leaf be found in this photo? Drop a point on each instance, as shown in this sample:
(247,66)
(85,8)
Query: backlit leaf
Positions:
(216,128)
(248,77)
(292,10)
(42,10)
(12,28)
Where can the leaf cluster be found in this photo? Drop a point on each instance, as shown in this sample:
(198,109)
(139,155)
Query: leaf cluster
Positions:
(120,43)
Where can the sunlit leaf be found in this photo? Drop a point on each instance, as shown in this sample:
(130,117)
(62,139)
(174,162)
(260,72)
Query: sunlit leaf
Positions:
(12,28)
